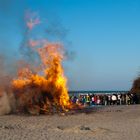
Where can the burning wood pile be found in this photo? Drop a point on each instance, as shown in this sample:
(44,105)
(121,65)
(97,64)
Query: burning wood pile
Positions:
(47,92)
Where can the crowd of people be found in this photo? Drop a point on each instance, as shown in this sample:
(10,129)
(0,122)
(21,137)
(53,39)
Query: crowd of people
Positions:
(104,99)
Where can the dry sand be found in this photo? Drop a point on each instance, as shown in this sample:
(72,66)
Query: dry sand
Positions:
(107,123)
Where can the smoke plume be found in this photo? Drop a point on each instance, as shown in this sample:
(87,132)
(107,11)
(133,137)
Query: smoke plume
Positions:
(7,100)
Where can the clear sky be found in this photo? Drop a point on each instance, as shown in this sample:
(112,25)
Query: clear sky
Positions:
(104,35)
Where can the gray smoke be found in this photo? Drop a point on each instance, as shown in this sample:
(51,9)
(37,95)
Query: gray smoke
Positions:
(5,107)
(7,102)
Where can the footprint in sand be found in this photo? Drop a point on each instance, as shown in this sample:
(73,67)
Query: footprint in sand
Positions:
(84,129)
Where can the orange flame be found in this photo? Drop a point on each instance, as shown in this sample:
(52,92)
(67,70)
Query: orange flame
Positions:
(47,91)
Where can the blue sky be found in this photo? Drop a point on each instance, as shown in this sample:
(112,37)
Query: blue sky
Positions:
(104,35)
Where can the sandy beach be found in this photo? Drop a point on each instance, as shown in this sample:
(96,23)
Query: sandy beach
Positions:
(103,123)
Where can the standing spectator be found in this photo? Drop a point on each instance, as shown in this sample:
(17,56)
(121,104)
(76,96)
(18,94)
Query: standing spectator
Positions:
(119,99)
(123,99)
(93,101)
(84,100)
(127,99)
(87,100)
(109,99)
(105,99)
(114,99)
(98,100)
(131,99)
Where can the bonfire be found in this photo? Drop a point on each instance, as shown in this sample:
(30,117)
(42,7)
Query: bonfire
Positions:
(43,91)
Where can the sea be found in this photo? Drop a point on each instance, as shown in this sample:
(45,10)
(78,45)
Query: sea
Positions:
(97,92)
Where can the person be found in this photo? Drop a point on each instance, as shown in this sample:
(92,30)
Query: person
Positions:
(105,99)
(123,99)
(131,99)
(98,100)
(74,99)
(114,99)
(119,99)
(101,100)
(135,98)
(84,100)
(127,99)
(92,100)
(109,99)
(95,99)
(77,101)
(88,99)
